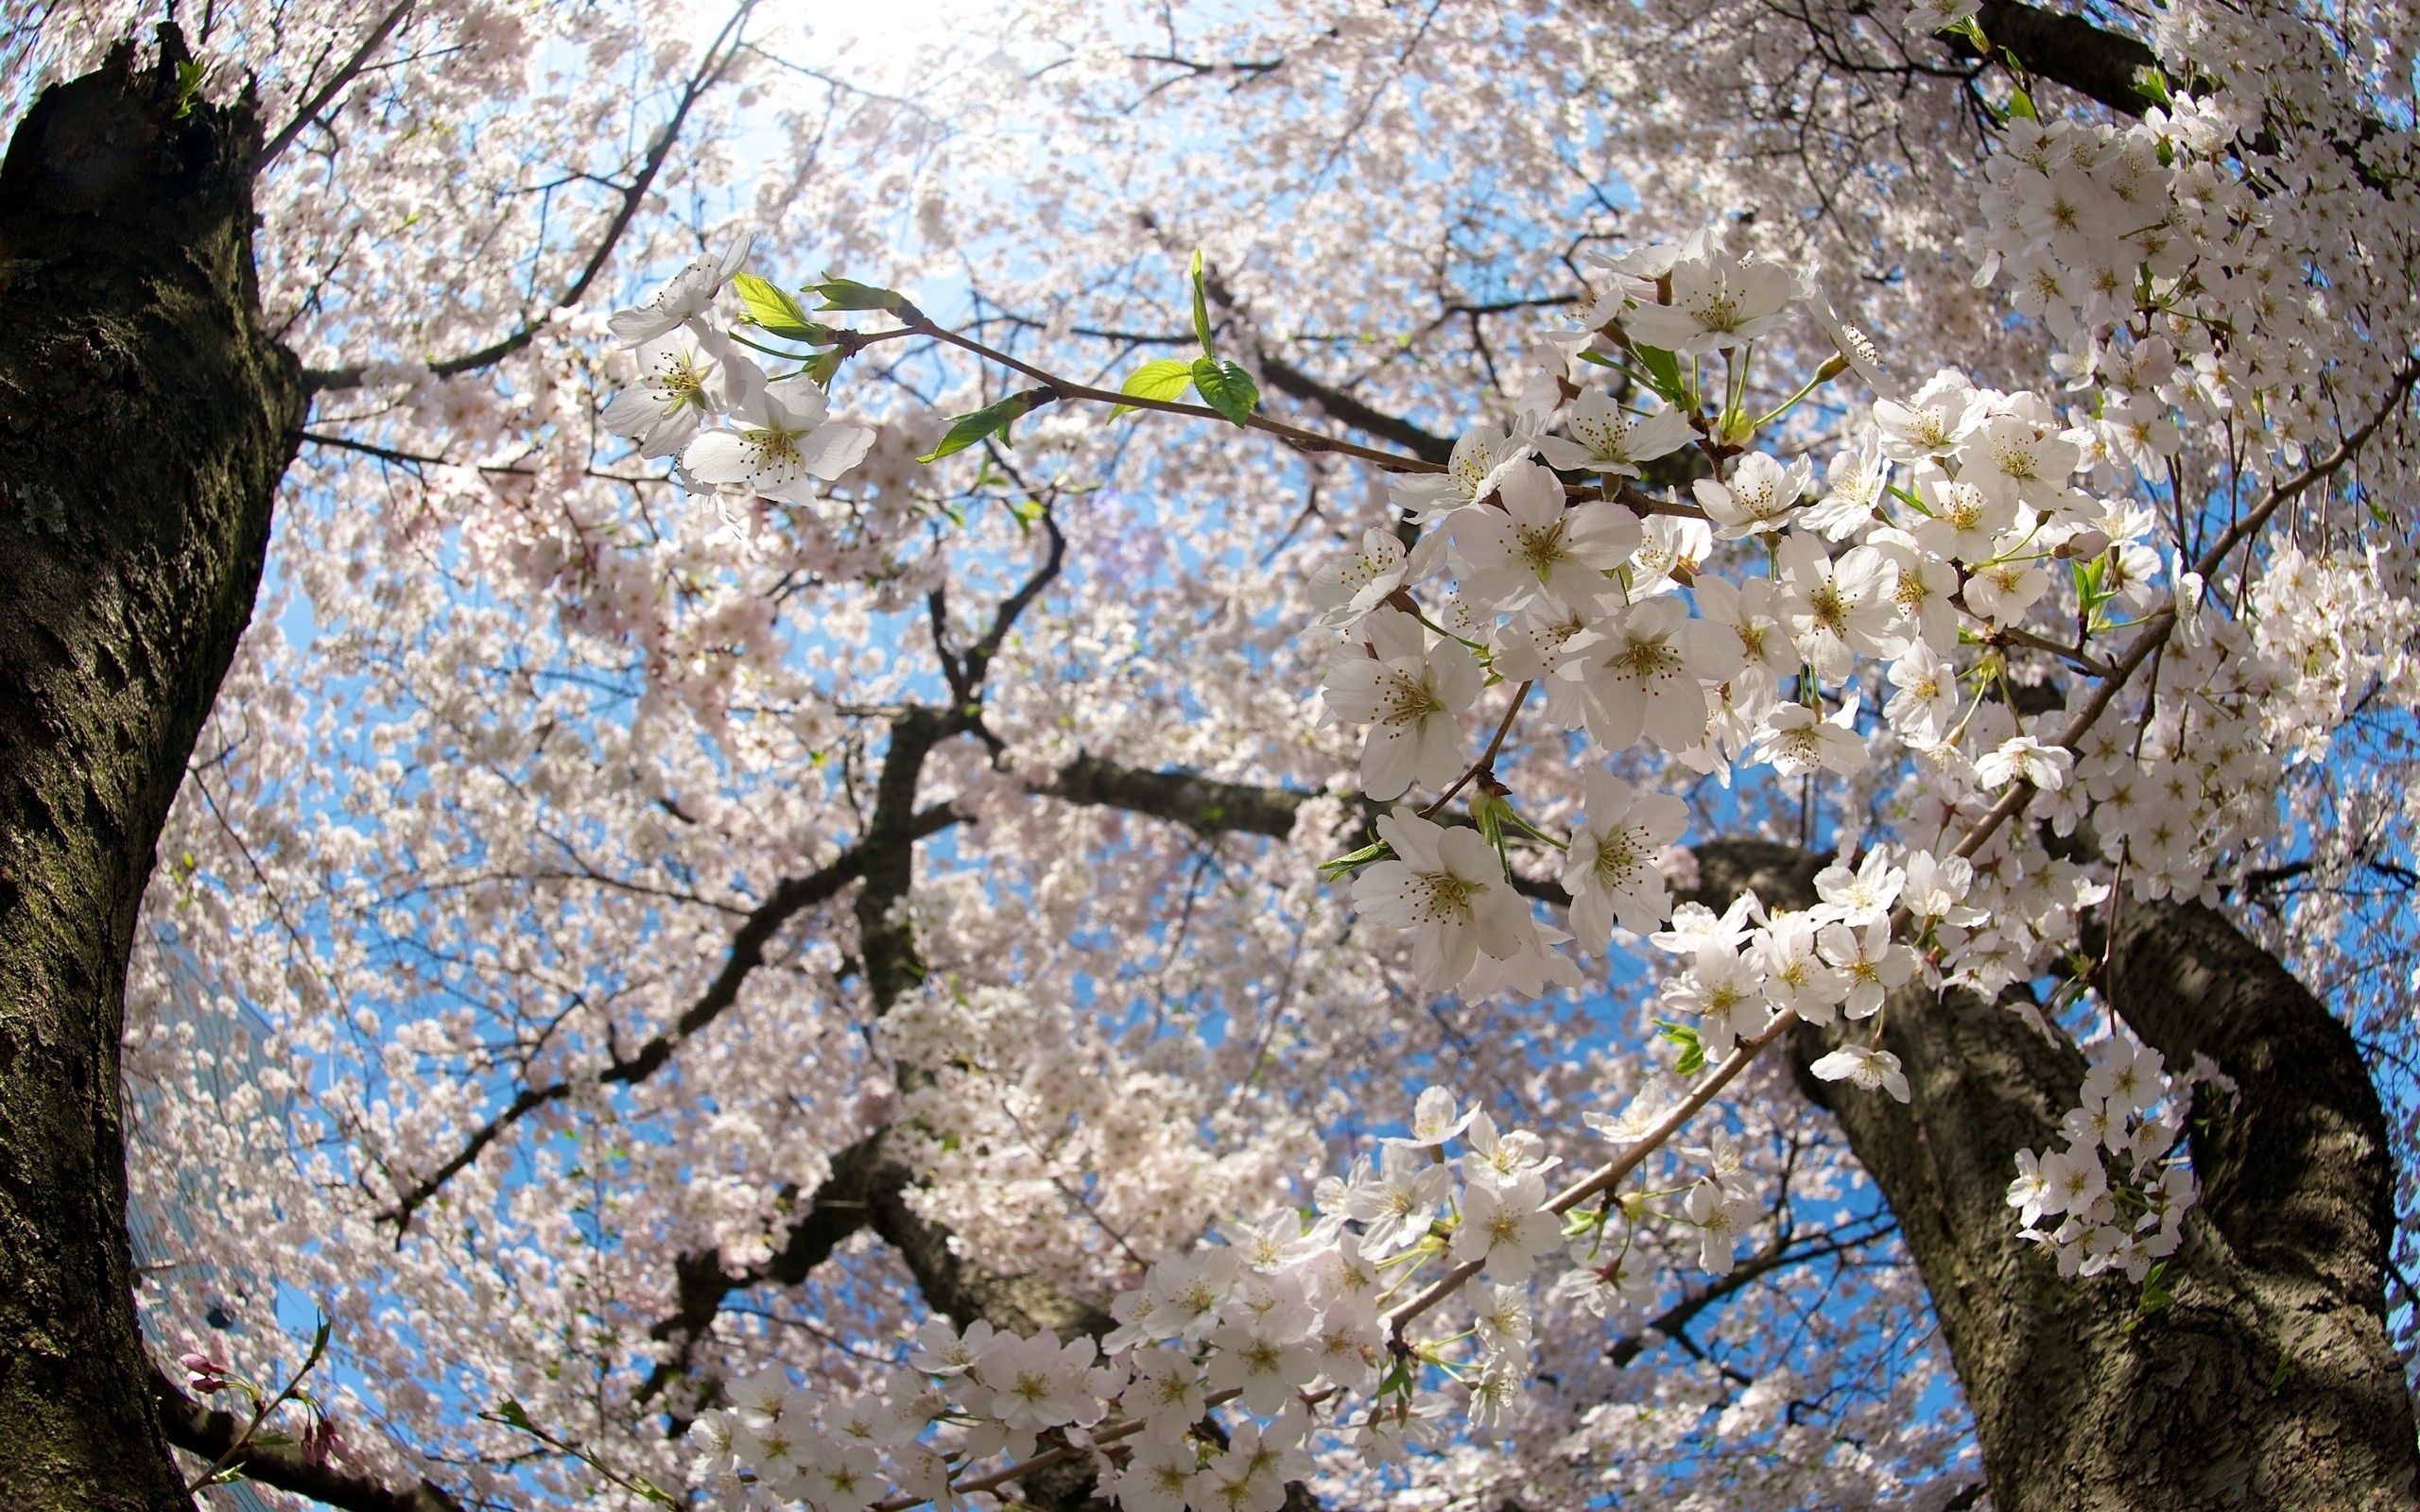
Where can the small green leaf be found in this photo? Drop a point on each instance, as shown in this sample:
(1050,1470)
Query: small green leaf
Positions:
(513,1415)
(1354,861)
(848,293)
(1164,378)
(1663,373)
(188,87)
(775,311)
(1200,308)
(1692,1054)
(1226,388)
(968,429)
(2020,103)
(825,365)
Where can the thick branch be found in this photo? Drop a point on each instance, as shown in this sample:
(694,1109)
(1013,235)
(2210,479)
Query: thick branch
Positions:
(146,416)
(2182,1409)
(214,1435)
(2067,50)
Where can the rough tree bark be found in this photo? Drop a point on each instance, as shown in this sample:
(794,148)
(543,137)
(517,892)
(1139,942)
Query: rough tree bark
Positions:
(145,418)
(2269,1383)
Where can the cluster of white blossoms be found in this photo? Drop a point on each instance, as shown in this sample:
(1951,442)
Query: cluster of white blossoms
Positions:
(1887,619)
(2133,1111)
(698,398)
(1226,1359)
(1837,959)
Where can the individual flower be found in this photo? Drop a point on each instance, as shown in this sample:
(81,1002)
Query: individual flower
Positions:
(1720,989)
(1449,888)
(781,439)
(1479,463)
(842,1477)
(2016,459)
(1396,1205)
(1796,740)
(2129,1076)
(1838,608)
(1611,870)
(1935,423)
(1265,1357)
(1925,705)
(1536,543)
(1165,1389)
(2022,758)
(1500,1317)
(686,296)
(1922,589)
(1759,497)
(1718,302)
(1644,668)
(1855,347)
(1183,1294)
(1861,895)
(1935,895)
(1436,1117)
(1853,492)
(1348,587)
(2001,592)
(2028,1192)
(1722,1219)
(681,384)
(1928,16)
(1607,439)
(1032,1383)
(2072,1180)
(1796,977)
(1752,611)
(1495,1160)
(1864,1067)
(1506,1227)
(1871,961)
(1408,692)
(1671,554)
(1496,1392)
(1156,1477)
(1963,522)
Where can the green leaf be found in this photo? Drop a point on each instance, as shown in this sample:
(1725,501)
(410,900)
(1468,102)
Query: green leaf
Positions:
(188,87)
(1200,308)
(825,365)
(1226,388)
(776,312)
(968,429)
(1663,373)
(2020,103)
(1692,1054)
(1164,378)
(1354,861)
(1024,511)
(513,1415)
(848,293)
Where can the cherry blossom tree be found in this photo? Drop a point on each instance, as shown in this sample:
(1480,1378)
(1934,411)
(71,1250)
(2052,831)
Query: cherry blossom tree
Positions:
(1513,756)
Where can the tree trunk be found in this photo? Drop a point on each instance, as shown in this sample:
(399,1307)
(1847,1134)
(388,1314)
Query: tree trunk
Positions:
(145,418)
(2269,1383)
